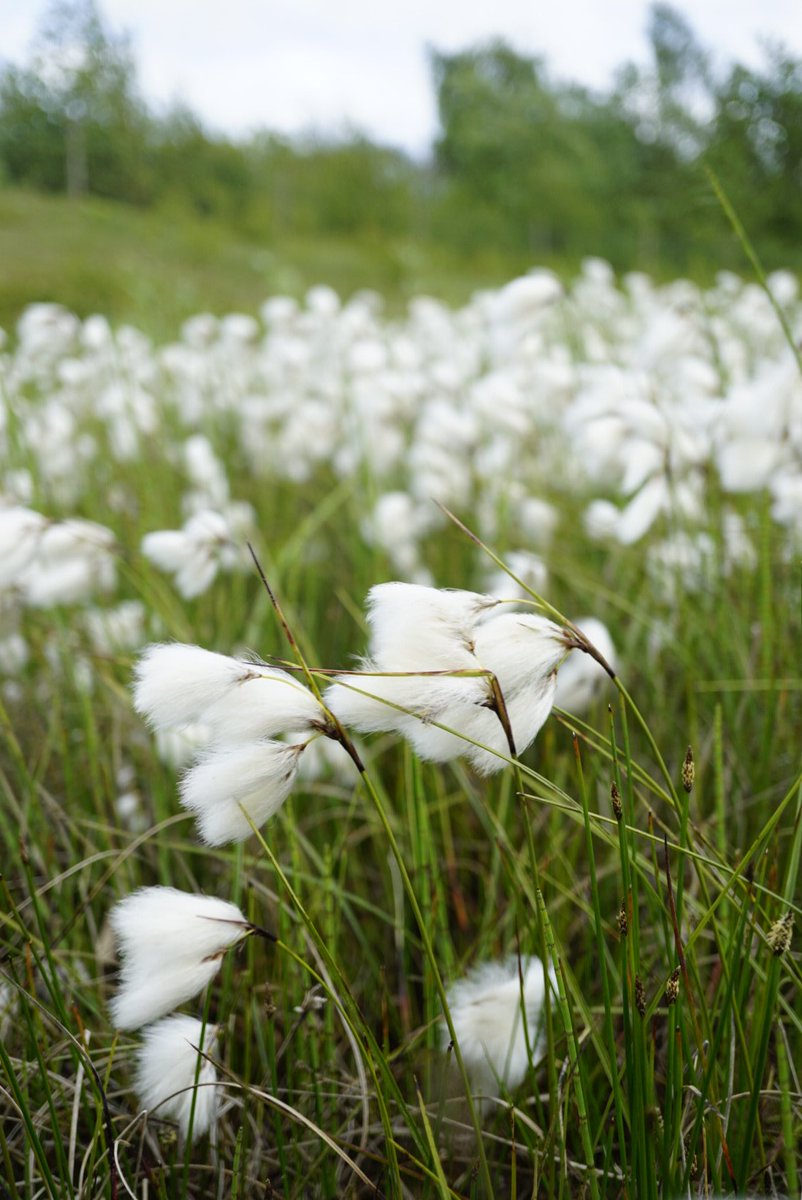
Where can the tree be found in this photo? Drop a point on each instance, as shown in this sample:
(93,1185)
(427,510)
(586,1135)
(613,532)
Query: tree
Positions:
(535,166)
(756,146)
(71,118)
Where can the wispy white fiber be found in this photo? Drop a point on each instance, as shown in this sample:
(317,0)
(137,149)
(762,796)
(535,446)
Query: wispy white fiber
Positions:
(417,630)
(176,683)
(422,628)
(20,530)
(167,1064)
(171,944)
(496,1012)
(580,679)
(272,702)
(209,541)
(233,788)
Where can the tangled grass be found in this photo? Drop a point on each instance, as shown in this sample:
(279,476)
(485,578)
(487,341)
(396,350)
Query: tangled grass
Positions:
(657,884)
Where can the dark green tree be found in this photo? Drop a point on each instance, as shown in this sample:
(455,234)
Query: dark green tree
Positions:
(71,119)
(534,166)
(756,146)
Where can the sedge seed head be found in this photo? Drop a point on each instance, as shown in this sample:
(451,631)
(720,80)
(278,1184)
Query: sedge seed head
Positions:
(688,771)
(615,797)
(640,996)
(779,936)
(672,987)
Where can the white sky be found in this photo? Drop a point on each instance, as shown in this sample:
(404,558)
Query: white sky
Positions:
(294,65)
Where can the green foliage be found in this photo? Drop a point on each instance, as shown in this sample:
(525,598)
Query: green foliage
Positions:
(71,120)
(631,1085)
(524,166)
(156,267)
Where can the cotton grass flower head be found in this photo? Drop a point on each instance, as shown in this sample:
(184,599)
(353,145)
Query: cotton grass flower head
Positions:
(415,631)
(235,789)
(167,1065)
(496,1012)
(178,684)
(581,678)
(54,562)
(171,944)
(20,531)
(243,773)
(451,658)
(209,542)
(521,652)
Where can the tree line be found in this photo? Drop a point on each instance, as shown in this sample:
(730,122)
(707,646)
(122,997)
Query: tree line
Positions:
(523,164)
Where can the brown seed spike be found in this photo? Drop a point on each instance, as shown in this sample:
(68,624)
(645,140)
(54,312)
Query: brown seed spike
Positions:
(640,996)
(688,771)
(615,797)
(623,920)
(672,987)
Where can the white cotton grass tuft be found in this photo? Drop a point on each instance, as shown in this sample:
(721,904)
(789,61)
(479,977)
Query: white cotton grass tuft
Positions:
(178,684)
(582,679)
(241,775)
(210,541)
(268,703)
(417,630)
(175,683)
(66,563)
(167,1064)
(20,531)
(171,944)
(523,652)
(413,629)
(235,788)
(420,628)
(497,1015)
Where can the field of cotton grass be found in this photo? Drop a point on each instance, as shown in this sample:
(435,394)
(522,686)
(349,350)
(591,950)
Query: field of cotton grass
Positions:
(320,879)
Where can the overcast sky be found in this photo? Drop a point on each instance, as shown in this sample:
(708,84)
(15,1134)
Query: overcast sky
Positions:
(294,65)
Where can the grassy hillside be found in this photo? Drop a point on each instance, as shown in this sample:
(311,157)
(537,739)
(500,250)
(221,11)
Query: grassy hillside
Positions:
(155,268)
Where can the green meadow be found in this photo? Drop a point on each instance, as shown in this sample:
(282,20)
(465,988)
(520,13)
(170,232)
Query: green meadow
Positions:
(659,892)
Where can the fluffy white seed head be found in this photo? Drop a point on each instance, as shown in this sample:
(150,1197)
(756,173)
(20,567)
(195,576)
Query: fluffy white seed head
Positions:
(488,1009)
(166,1068)
(527,711)
(171,944)
(195,553)
(64,580)
(272,702)
(176,683)
(169,549)
(520,649)
(412,629)
(580,678)
(420,628)
(234,788)
(372,702)
(75,538)
(146,995)
(168,923)
(523,652)
(237,701)
(471,723)
(20,532)
(466,632)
